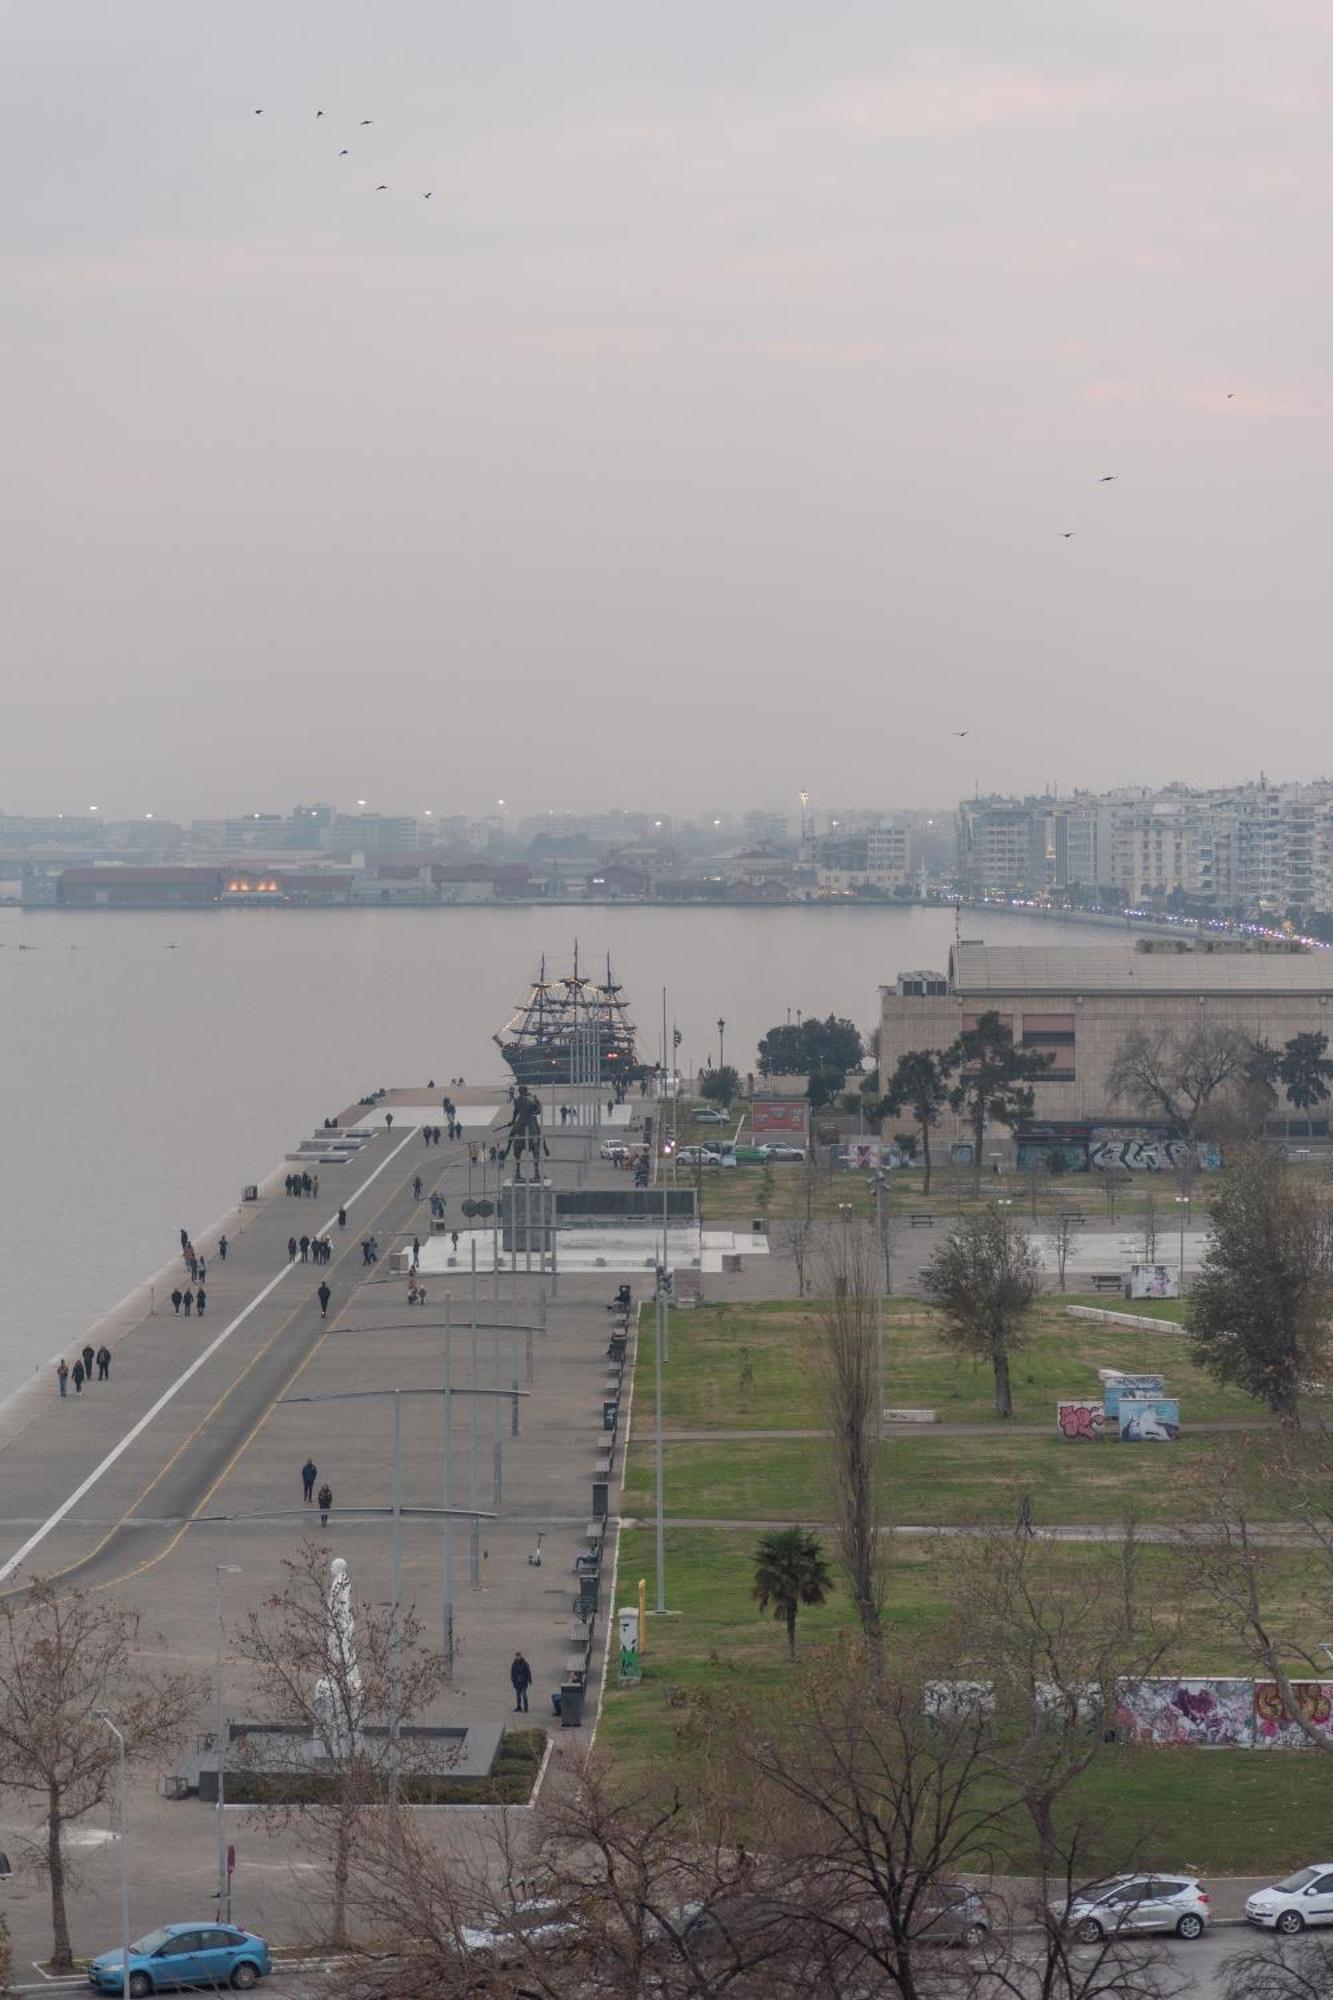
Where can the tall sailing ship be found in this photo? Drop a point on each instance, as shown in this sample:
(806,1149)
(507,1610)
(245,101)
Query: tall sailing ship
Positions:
(539,1041)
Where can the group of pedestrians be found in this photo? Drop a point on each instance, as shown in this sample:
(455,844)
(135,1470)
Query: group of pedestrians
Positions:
(84,1365)
(437,1206)
(310,1249)
(302,1183)
(188,1301)
(432,1135)
(324,1499)
(370,1250)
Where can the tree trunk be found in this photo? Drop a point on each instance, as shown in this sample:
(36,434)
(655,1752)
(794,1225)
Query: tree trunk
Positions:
(925,1156)
(1004,1400)
(791,1631)
(342,1868)
(978,1140)
(62,1959)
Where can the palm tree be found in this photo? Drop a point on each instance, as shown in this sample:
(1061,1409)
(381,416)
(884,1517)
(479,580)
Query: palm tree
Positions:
(789,1571)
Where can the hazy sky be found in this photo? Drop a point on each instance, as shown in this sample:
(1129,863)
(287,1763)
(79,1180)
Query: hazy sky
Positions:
(710,434)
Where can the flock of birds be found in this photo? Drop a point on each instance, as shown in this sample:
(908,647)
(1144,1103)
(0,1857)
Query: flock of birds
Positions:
(345,153)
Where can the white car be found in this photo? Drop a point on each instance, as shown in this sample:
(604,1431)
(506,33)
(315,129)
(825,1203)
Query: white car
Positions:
(1175,1903)
(710,1115)
(699,1156)
(781,1151)
(537,1923)
(1297,1900)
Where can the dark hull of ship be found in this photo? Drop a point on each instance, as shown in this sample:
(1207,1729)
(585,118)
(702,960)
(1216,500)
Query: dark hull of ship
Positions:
(549,1062)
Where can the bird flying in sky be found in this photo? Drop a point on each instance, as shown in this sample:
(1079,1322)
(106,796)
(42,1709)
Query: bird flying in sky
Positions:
(383,188)
(1107,477)
(260,112)
(343,154)
(427,195)
(960,732)
(367,121)
(1066,534)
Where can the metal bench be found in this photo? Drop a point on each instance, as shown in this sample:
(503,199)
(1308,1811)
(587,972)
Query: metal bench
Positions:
(1107,1281)
(919,1221)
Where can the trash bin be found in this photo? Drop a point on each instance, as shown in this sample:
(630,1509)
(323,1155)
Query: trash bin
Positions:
(589,1582)
(571,1704)
(250,1192)
(757,1226)
(599,1497)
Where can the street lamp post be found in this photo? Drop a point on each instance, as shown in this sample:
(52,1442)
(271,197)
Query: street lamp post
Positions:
(100,1715)
(721,1043)
(220,1738)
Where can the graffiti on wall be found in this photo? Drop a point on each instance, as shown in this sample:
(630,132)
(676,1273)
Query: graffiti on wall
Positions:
(1138,1153)
(1081,1422)
(1209,1714)
(1276,1729)
(1149,1420)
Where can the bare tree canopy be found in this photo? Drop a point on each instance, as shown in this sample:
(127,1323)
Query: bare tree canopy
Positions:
(985,1278)
(1259,1309)
(63,1655)
(1173,1073)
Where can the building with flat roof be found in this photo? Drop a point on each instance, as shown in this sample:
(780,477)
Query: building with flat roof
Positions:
(1078,1002)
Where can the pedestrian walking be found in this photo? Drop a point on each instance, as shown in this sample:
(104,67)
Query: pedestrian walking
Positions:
(305,1249)
(416,1187)
(325,1503)
(203,1269)
(200,1301)
(1025,1526)
(324,1295)
(342,1218)
(185,1238)
(314,1186)
(187,1300)
(62,1375)
(176,1298)
(88,1359)
(192,1263)
(520,1676)
(222,1248)
(309,1474)
(76,1373)
(453,1238)
(388,1121)
(104,1363)
(291,1249)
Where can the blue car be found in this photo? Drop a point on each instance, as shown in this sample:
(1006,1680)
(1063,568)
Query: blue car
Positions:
(184,1955)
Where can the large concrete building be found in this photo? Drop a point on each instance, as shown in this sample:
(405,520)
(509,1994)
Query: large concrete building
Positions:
(1077,1003)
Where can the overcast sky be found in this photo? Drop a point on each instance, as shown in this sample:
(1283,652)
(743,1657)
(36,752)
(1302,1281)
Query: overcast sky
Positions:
(710,434)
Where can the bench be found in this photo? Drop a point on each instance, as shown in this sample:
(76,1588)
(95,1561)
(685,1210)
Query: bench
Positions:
(594,1532)
(1106,1281)
(576,1668)
(919,1221)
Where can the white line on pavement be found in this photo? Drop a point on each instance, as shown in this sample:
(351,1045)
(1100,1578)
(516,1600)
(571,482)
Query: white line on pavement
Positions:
(137,1430)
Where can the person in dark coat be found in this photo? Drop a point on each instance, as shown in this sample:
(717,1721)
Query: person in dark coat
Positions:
(324,1295)
(187,1300)
(520,1676)
(200,1301)
(176,1298)
(76,1376)
(291,1249)
(325,1502)
(342,1218)
(222,1248)
(305,1249)
(104,1363)
(88,1358)
(309,1474)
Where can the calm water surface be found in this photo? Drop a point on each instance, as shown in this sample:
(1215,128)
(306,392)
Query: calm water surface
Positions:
(156,1062)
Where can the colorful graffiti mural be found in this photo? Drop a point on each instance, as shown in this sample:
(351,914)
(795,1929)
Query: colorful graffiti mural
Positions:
(1115,1385)
(1149,1420)
(1154,1281)
(1276,1729)
(1208,1714)
(1081,1422)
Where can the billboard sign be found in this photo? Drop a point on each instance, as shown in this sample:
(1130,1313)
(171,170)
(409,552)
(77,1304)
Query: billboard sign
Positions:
(1080,1422)
(1154,1281)
(781,1118)
(1149,1420)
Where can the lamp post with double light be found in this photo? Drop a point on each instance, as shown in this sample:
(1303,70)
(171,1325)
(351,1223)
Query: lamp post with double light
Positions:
(221,1570)
(100,1715)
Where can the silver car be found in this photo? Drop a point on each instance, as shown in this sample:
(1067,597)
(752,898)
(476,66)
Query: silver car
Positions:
(1175,1903)
(1300,1899)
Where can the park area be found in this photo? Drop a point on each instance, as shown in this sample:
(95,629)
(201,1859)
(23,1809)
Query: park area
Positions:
(746,1450)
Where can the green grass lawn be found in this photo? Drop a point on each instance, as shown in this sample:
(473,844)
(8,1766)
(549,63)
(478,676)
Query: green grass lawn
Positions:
(1221,1812)
(752,1367)
(935,1480)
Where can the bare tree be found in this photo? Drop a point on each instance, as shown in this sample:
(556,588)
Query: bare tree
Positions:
(1289,1969)
(1062,1240)
(63,1656)
(848,1363)
(985,1278)
(329,1672)
(1173,1073)
(1114,1182)
(796,1237)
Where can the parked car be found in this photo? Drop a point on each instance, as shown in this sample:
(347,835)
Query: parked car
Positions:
(780,1150)
(1297,1900)
(708,1114)
(1175,1903)
(960,1918)
(184,1955)
(750,1155)
(504,1939)
(699,1156)
(614,1149)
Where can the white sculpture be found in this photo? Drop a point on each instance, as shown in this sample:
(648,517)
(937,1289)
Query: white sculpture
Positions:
(338,1693)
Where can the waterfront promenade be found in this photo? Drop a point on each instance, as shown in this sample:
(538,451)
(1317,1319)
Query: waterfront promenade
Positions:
(190,1456)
